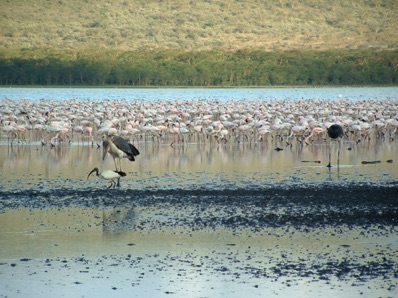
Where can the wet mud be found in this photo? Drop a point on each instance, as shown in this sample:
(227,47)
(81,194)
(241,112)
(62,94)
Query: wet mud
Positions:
(346,229)
(327,204)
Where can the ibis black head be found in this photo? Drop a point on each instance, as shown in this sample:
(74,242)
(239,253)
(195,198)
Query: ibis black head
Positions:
(93,170)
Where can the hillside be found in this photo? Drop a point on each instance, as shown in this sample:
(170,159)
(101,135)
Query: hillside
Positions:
(199,25)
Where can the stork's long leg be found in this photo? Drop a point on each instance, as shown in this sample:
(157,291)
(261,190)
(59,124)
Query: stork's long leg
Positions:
(116,168)
(120,165)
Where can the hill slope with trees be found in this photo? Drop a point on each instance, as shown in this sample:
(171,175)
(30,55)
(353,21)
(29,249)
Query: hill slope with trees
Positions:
(199,25)
(198,43)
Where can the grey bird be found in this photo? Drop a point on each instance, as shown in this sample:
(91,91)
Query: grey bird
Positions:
(335,131)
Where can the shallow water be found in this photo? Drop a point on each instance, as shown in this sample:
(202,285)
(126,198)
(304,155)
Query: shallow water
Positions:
(208,166)
(82,241)
(221,94)
(72,254)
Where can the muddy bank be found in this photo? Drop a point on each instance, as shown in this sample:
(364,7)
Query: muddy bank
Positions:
(305,240)
(243,271)
(299,206)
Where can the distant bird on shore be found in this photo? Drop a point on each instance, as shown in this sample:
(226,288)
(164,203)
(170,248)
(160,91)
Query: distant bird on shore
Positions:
(335,131)
(118,148)
(109,175)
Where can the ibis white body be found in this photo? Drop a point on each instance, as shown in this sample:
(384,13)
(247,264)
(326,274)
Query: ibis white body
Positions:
(109,175)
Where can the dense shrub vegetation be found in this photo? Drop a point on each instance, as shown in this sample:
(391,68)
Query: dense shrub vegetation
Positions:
(198,43)
(132,25)
(198,68)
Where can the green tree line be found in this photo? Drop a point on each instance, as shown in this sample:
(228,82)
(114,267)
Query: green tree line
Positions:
(197,68)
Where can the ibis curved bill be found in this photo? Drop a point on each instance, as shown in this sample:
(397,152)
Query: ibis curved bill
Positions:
(118,148)
(109,175)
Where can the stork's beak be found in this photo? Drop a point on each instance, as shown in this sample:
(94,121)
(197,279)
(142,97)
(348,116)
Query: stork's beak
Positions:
(106,146)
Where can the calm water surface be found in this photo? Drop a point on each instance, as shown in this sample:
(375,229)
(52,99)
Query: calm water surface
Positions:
(195,166)
(362,93)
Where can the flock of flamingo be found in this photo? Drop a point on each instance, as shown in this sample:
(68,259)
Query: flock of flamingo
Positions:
(116,125)
(179,121)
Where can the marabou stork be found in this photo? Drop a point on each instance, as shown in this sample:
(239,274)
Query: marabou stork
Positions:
(118,148)
(109,175)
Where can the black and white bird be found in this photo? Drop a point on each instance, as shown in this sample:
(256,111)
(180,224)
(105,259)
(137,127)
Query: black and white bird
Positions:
(335,132)
(119,148)
(109,175)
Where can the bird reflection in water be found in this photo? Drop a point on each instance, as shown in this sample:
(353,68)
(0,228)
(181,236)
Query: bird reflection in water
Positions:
(118,220)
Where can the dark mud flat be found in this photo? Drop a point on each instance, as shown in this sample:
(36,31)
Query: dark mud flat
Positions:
(311,206)
(306,240)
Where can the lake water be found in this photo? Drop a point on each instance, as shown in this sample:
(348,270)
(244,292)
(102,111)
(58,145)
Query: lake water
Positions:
(360,93)
(198,166)
(63,235)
